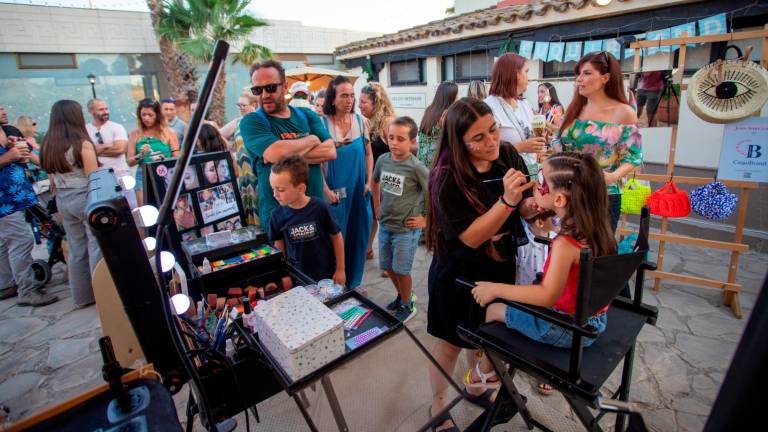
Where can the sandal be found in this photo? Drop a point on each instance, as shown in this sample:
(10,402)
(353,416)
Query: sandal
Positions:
(544,389)
(484,382)
(443,418)
(369,254)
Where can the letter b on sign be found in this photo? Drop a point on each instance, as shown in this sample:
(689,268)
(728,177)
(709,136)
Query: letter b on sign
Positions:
(754,151)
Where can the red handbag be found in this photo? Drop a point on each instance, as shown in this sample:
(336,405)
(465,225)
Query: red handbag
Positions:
(669,201)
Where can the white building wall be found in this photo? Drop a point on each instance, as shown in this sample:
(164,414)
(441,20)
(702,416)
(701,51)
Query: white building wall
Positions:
(698,142)
(44,29)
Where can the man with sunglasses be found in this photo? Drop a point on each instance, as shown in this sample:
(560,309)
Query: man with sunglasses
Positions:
(111,142)
(276,131)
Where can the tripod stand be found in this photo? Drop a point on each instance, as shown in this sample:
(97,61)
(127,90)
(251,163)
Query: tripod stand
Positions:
(669,91)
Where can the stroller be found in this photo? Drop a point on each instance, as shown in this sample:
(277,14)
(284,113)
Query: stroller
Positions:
(44,226)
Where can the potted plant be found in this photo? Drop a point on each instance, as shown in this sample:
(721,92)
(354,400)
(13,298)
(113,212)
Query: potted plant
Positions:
(669,105)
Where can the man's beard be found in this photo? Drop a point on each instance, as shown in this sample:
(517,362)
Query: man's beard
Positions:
(103,118)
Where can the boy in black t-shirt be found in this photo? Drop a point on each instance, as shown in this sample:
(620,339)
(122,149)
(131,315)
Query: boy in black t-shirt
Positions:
(303,227)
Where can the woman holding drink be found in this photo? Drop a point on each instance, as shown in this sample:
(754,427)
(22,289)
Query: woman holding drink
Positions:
(512,111)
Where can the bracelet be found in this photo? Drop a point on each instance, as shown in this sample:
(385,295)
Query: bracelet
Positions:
(505,204)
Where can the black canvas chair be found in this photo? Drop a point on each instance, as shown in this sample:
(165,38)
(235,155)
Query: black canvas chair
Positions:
(578,373)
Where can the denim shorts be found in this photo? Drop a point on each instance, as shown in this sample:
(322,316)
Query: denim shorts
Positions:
(546,332)
(396,250)
(139,178)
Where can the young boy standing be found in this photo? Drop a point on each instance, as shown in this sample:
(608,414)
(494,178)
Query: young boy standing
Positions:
(303,227)
(399,184)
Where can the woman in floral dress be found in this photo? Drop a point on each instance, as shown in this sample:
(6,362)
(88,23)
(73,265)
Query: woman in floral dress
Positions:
(601,122)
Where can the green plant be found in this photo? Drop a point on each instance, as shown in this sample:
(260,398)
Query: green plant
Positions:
(195,26)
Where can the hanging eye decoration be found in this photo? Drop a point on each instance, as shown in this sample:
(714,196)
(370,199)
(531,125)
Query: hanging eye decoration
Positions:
(728,90)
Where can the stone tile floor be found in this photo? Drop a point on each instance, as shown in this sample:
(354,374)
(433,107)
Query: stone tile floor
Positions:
(50,354)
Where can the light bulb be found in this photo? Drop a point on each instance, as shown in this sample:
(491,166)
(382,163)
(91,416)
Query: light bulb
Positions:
(127,182)
(145,216)
(167,260)
(180,303)
(150,243)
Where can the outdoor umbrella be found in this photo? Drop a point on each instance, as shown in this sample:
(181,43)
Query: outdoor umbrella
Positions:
(316,78)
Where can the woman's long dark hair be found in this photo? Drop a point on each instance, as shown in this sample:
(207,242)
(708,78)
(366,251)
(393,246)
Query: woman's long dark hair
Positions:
(605,63)
(159,126)
(553,99)
(66,130)
(452,161)
(586,218)
(330,95)
(445,95)
(209,139)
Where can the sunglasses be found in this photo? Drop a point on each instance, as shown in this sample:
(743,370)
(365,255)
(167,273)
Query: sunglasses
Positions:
(270,88)
(99,138)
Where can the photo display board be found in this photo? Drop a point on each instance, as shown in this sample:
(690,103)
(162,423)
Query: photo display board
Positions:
(209,200)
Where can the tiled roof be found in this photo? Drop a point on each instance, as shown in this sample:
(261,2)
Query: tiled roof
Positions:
(472,20)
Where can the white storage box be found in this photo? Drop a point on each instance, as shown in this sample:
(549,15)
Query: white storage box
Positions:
(300,332)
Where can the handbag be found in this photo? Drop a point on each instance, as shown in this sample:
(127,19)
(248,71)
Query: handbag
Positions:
(669,201)
(713,201)
(633,196)
(728,90)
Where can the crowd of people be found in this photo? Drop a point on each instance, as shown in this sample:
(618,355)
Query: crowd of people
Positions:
(327,172)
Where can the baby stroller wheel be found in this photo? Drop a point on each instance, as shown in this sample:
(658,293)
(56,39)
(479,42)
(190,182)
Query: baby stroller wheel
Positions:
(42,271)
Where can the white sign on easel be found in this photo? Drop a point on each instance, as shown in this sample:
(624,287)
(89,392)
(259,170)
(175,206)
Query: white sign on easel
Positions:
(744,155)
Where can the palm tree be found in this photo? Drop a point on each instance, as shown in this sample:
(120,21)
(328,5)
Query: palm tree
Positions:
(195,25)
(178,66)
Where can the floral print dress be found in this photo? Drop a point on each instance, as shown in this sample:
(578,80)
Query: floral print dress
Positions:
(427,146)
(611,144)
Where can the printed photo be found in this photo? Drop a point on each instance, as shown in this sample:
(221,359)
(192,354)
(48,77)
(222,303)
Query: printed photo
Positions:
(183,214)
(204,231)
(217,202)
(229,224)
(167,174)
(190,179)
(209,173)
(222,169)
(187,236)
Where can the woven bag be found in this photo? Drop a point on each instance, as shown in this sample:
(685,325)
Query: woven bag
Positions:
(728,90)
(633,196)
(714,201)
(669,201)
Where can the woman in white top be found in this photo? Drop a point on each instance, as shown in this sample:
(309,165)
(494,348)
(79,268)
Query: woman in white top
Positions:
(514,113)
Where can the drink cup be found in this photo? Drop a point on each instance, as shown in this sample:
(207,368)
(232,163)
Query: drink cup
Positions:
(539,125)
(22,145)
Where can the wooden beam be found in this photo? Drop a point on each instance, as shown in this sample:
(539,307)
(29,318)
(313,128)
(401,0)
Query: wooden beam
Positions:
(741,35)
(734,287)
(739,247)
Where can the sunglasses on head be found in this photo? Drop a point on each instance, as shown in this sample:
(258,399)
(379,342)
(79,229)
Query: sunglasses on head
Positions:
(270,88)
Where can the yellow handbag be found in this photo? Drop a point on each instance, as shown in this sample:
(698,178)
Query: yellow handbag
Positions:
(633,196)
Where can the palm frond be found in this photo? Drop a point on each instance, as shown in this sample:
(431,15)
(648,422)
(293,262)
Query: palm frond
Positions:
(251,52)
(198,47)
